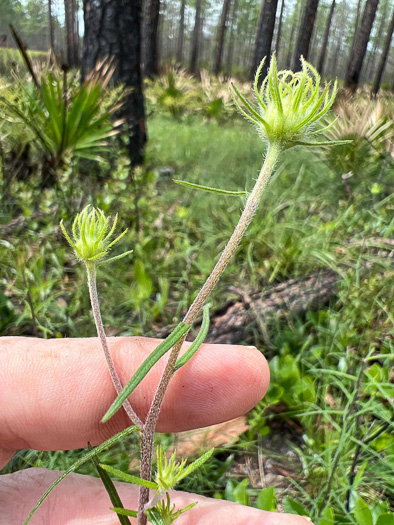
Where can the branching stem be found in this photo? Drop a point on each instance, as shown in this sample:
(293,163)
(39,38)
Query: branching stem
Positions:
(251,206)
(91,272)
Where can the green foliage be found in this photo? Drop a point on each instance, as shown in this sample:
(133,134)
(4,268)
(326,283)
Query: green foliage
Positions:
(11,61)
(317,359)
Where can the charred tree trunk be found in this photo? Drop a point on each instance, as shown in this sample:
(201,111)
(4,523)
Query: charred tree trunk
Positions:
(221,35)
(150,24)
(305,33)
(69,18)
(230,51)
(357,23)
(371,61)
(360,47)
(265,31)
(113,28)
(279,33)
(196,38)
(383,58)
(320,66)
(181,33)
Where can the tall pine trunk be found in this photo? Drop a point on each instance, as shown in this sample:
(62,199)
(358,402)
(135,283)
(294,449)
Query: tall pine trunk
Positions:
(383,58)
(181,33)
(356,25)
(230,51)
(320,65)
(305,33)
(371,60)
(265,31)
(150,24)
(69,11)
(360,46)
(196,38)
(220,39)
(279,32)
(113,28)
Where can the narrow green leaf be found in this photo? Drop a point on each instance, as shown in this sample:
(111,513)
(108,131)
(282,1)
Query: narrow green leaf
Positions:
(129,478)
(202,334)
(321,143)
(110,488)
(155,517)
(208,188)
(257,117)
(292,506)
(80,462)
(196,464)
(149,362)
(125,512)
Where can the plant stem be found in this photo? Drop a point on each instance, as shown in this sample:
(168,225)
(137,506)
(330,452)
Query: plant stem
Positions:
(250,209)
(91,272)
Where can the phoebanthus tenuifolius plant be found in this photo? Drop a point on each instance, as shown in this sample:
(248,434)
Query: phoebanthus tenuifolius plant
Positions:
(289,108)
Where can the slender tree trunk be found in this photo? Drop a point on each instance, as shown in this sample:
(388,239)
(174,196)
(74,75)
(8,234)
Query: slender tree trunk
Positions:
(220,38)
(69,18)
(181,33)
(305,33)
(150,24)
(383,58)
(359,4)
(196,38)
(371,60)
(320,66)
(360,47)
(75,35)
(265,31)
(51,28)
(290,51)
(279,33)
(113,28)
(230,51)
(335,57)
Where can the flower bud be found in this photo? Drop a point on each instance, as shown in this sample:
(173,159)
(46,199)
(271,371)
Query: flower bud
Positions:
(289,105)
(92,240)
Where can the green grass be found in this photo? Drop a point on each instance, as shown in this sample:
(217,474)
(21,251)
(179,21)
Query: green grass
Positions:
(11,61)
(329,367)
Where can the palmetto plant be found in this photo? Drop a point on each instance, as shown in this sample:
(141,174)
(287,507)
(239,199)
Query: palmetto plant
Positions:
(66,121)
(370,126)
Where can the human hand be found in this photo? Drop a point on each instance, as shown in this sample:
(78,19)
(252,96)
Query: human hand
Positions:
(54,393)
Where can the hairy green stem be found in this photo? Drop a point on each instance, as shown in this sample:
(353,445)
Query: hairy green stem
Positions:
(250,209)
(91,272)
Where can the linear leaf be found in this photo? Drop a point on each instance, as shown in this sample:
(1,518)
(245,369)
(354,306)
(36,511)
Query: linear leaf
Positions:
(110,488)
(125,512)
(129,478)
(197,464)
(202,334)
(80,462)
(208,188)
(149,362)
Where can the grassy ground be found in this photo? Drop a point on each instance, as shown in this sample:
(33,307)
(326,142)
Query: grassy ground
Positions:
(331,392)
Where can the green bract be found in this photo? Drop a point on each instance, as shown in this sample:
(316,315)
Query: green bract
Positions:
(92,240)
(289,104)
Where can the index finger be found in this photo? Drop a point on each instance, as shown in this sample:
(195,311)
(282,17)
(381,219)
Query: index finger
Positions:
(55,392)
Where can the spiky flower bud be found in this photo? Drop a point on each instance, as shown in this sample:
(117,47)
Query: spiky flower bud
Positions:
(289,105)
(92,240)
